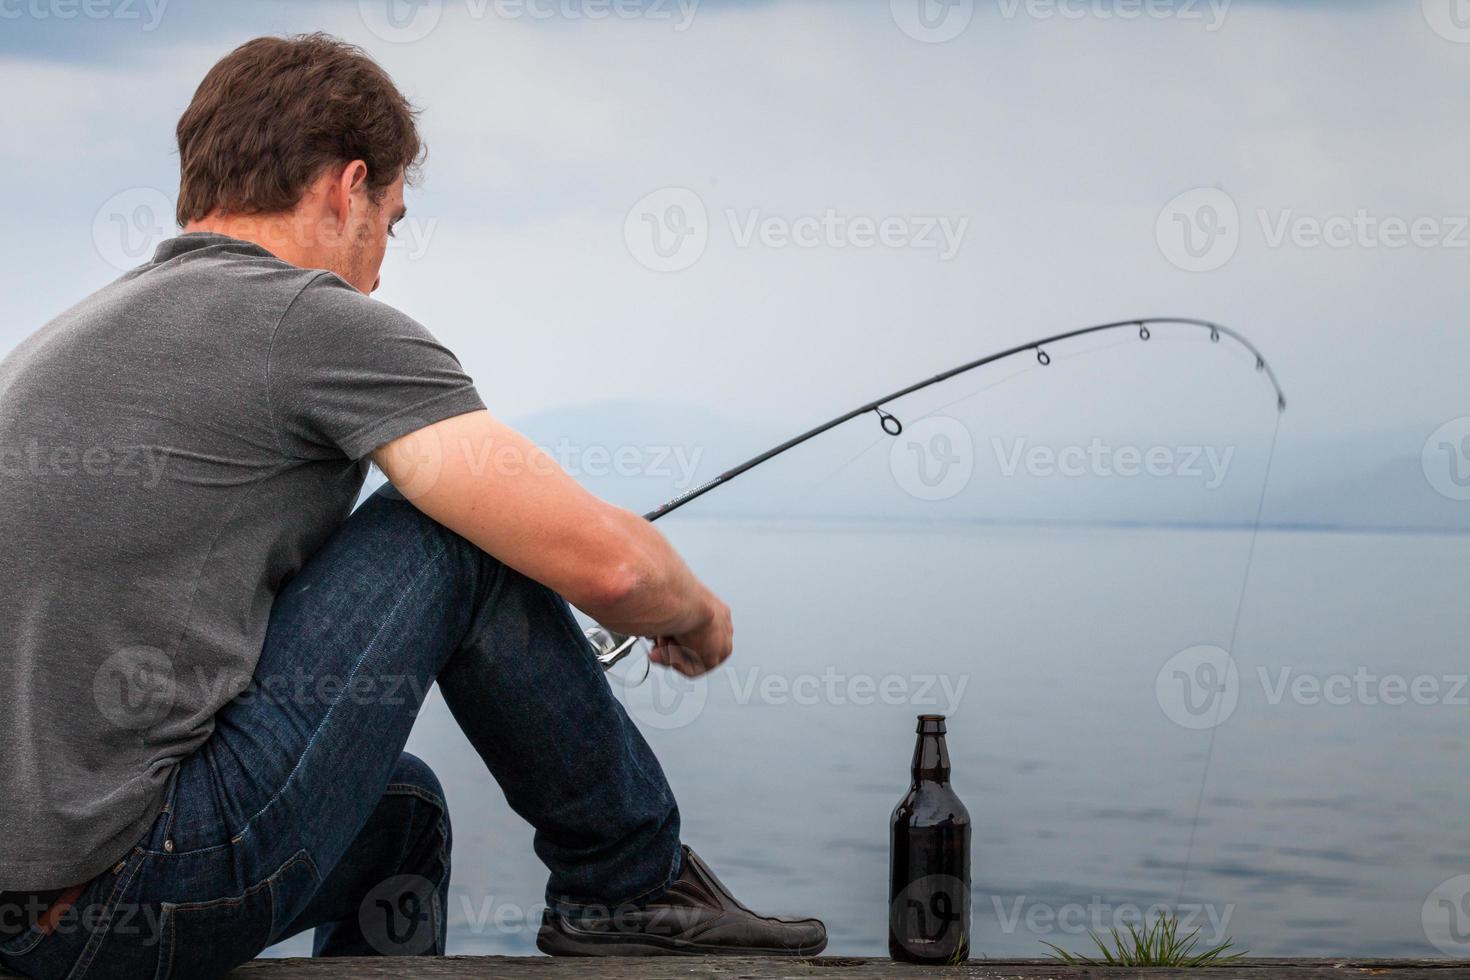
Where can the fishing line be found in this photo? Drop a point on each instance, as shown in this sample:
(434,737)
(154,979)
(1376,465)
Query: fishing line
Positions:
(1250,558)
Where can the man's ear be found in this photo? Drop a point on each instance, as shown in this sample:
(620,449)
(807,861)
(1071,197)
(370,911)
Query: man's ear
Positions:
(351,180)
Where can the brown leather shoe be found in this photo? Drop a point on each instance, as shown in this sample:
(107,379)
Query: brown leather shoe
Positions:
(696,917)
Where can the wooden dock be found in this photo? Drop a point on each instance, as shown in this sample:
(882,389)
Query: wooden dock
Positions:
(826,967)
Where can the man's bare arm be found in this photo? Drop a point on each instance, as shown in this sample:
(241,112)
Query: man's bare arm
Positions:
(487,482)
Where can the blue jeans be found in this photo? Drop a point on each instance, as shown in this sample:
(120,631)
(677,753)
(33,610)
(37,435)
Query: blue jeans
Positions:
(302,811)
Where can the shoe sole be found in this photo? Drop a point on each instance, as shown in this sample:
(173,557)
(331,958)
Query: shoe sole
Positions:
(560,942)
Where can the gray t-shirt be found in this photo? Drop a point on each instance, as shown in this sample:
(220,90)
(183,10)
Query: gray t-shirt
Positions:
(172,449)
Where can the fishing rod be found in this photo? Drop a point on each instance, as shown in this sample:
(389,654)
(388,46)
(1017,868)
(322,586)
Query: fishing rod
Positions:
(612,647)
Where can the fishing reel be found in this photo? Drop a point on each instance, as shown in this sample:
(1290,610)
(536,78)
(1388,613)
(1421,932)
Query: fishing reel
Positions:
(609,647)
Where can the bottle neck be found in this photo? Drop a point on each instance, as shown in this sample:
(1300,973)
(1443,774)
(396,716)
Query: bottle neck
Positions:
(931,758)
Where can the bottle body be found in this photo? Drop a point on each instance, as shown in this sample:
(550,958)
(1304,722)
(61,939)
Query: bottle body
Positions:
(929,871)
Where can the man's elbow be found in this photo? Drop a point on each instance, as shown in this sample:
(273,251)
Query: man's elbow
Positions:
(613,587)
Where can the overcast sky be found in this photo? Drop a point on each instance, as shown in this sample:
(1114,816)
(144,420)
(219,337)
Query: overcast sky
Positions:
(846,196)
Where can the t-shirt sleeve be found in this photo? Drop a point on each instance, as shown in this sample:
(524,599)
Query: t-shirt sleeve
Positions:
(347,373)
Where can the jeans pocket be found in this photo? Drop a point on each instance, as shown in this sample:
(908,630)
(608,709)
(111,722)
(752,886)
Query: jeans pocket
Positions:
(103,909)
(201,940)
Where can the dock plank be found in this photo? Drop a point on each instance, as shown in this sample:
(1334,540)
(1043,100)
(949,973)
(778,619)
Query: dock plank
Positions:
(827,967)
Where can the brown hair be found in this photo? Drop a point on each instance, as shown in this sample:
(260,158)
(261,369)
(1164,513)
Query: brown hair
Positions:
(273,113)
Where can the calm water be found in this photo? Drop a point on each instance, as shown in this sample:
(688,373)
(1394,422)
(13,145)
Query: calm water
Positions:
(1322,827)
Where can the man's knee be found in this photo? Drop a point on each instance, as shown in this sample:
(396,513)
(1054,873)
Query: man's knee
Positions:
(411,773)
(414,778)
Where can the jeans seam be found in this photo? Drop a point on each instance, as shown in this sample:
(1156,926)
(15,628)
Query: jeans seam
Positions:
(165,962)
(352,675)
(27,941)
(302,857)
(409,789)
(94,941)
(440,925)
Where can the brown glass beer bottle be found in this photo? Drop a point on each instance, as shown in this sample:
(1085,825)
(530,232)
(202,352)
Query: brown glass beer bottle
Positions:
(929,873)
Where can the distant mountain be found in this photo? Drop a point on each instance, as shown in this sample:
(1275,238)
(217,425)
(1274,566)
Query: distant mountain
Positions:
(639,454)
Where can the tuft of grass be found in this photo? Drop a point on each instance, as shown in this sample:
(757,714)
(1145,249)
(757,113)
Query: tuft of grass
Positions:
(1157,945)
